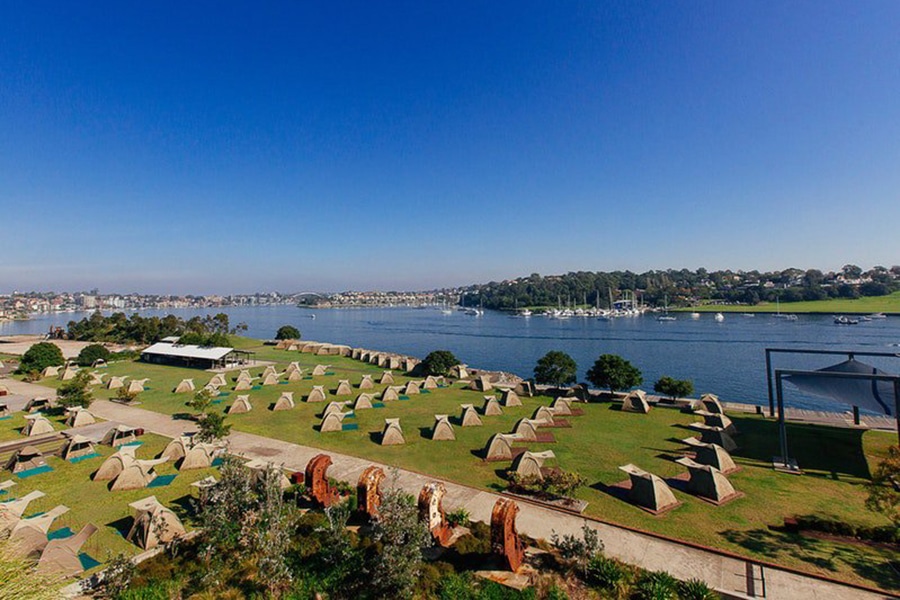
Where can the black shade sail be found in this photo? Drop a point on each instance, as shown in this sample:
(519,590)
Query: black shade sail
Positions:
(876,396)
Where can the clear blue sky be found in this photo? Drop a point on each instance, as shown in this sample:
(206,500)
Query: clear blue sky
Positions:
(232,147)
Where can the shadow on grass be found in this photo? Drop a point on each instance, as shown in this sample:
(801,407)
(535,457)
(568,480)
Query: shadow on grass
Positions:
(425,432)
(183,416)
(122,526)
(776,546)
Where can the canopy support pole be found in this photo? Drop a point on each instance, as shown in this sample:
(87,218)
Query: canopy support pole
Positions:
(769,381)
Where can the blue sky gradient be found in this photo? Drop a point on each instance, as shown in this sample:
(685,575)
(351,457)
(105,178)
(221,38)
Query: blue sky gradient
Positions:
(232,147)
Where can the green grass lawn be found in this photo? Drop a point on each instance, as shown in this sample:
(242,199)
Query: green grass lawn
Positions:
(837,461)
(92,502)
(867,305)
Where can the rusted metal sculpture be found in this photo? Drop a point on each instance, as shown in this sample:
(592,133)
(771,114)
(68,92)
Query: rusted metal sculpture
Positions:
(505,541)
(316,479)
(368,491)
(431,511)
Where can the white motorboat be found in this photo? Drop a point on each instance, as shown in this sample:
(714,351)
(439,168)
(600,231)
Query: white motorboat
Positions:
(719,317)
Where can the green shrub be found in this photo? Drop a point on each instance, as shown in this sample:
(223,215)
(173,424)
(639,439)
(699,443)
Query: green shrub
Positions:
(439,362)
(695,589)
(460,516)
(40,356)
(656,585)
(91,353)
(287,332)
(556,593)
(604,573)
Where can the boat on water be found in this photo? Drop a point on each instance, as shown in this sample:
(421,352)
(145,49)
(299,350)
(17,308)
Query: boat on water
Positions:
(719,317)
(695,315)
(845,320)
(666,316)
(748,315)
(878,316)
(779,315)
(526,313)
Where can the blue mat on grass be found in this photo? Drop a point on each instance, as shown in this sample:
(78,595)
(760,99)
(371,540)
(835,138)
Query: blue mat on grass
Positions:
(60,534)
(34,471)
(78,459)
(329,373)
(5,418)
(404,397)
(88,561)
(256,387)
(223,394)
(134,443)
(217,461)
(308,377)
(378,405)
(283,382)
(349,426)
(218,401)
(162,481)
(424,391)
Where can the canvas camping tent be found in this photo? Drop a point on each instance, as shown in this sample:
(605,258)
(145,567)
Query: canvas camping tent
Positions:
(334,406)
(37,404)
(244,375)
(707,482)
(332,421)
(176,448)
(389,393)
(714,435)
(491,407)
(13,510)
(636,401)
(269,370)
(199,456)
(136,386)
(115,464)
(363,401)
(543,415)
(68,374)
(430,383)
(320,370)
(387,378)
(526,430)
(529,464)
(711,454)
(270,379)
(218,380)
(295,375)
(29,535)
(96,378)
(459,372)
(442,430)
(76,446)
(4,410)
(260,469)
(50,372)
(717,420)
(649,491)
(470,416)
(510,398)
(366,383)
(136,475)
(562,406)
(343,388)
(711,403)
(78,416)
(482,384)
(241,405)
(154,524)
(60,555)
(185,386)
(37,425)
(243,385)
(392,435)
(412,387)
(285,401)
(115,383)
(120,434)
(317,394)
(499,447)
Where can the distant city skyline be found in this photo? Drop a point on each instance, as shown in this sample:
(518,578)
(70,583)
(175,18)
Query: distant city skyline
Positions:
(207,148)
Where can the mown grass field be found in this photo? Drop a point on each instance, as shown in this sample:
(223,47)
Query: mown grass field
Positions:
(833,306)
(837,461)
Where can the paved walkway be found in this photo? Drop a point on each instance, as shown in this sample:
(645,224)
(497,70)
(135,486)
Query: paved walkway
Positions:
(725,573)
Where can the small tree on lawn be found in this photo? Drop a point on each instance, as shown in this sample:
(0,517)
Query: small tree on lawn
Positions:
(287,332)
(439,362)
(884,489)
(555,368)
(674,388)
(76,392)
(92,353)
(201,401)
(615,373)
(40,356)
(213,427)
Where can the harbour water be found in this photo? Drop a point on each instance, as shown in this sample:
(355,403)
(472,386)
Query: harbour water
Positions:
(726,358)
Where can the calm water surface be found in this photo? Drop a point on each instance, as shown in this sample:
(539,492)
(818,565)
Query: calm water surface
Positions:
(725,358)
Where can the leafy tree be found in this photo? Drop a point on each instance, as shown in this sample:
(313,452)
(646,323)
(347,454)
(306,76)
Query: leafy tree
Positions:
(439,362)
(201,401)
(555,368)
(271,534)
(884,489)
(402,536)
(76,391)
(578,551)
(674,388)
(92,353)
(287,332)
(40,356)
(213,427)
(614,372)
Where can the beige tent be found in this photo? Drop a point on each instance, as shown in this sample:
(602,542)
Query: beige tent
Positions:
(176,449)
(136,475)
(243,386)
(241,405)
(408,364)
(343,388)
(712,454)
(120,434)
(29,535)
(366,383)
(543,415)
(244,375)
(269,370)
(320,370)
(12,511)
(96,378)
(270,379)
(714,435)
(717,420)
(363,401)
(499,447)
(4,410)
(649,491)
(392,435)
(442,430)
(376,358)
(199,456)
(115,464)
(707,482)
(293,366)
(79,417)
(37,404)
(430,383)
(482,384)
(459,372)
(470,416)
(37,425)
(412,387)
(285,401)
(99,364)
(529,464)
(115,383)
(387,378)
(50,372)
(296,375)
(136,386)
(60,556)
(393,362)
(185,386)
(259,469)
(68,374)
(491,407)
(711,403)
(636,401)
(510,398)
(562,407)
(317,394)
(526,430)
(154,524)
(389,393)
(76,446)
(218,380)
(334,407)
(332,421)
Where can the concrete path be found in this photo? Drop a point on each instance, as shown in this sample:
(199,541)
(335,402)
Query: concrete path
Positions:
(725,573)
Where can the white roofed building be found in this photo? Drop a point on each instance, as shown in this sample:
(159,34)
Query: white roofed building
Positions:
(188,355)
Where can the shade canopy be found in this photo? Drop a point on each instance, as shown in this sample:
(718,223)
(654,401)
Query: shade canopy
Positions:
(874,395)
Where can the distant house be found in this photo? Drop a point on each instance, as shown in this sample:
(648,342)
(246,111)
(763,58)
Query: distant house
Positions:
(199,357)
